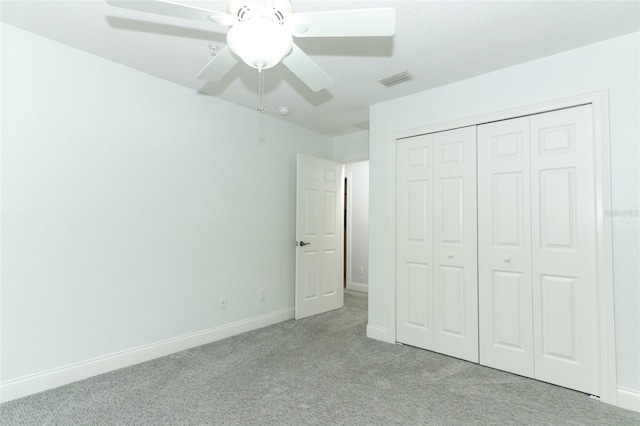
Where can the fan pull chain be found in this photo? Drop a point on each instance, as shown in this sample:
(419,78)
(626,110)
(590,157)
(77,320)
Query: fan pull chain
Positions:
(260,92)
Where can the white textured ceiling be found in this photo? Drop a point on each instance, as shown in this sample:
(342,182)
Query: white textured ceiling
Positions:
(437,42)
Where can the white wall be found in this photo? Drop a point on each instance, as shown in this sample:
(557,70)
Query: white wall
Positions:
(611,64)
(351,147)
(358,228)
(130,205)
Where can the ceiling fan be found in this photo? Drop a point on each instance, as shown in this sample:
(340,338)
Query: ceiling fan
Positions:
(262,32)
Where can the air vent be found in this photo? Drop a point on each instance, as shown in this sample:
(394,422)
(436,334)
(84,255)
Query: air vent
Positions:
(392,80)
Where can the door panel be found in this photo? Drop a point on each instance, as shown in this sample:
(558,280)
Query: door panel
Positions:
(330,206)
(509,307)
(319,209)
(557,208)
(417,195)
(504,247)
(310,259)
(452,295)
(507,214)
(455,247)
(558,318)
(564,249)
(417,300)
(450,207)
(330,263)
(414,242)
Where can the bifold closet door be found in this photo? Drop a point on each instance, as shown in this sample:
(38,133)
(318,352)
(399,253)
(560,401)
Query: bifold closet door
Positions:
(537,248)
(414,242)
(564,249)
(504,246)
(455,254)
(436,243)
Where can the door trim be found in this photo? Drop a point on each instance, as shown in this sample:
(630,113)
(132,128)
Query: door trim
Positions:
(349,187)
(600,102)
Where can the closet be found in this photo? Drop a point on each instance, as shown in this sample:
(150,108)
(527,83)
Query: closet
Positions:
(496,246)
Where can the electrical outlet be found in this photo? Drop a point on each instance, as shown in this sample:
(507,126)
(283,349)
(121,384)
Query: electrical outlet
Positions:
(263,294)
(360,270)
(222,302)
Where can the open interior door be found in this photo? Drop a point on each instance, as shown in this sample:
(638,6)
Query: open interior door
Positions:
(319,236)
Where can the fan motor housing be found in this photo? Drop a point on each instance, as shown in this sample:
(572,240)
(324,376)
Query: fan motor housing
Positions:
(243,10)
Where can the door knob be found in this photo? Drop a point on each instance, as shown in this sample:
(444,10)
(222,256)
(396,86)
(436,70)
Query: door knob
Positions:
(450,255)
(507,259)
(302,244)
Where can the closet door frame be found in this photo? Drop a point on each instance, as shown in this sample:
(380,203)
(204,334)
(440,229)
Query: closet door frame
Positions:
(600,106)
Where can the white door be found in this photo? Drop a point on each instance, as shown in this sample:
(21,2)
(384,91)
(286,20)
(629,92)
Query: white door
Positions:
(414,242)
(455,281)
(319,236)
(504,246)
(436,275)
(563,222)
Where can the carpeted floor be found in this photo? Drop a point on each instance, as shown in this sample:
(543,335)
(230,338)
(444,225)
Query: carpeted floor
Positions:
(317,371)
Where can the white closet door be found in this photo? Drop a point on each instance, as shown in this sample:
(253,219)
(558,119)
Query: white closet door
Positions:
(455,249)
(414,242)
(504,246)
(564,249)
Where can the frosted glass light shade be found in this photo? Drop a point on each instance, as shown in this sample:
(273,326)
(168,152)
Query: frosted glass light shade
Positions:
(260,42)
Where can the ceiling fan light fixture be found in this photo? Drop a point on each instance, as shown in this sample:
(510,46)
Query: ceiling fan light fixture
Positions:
(260,42)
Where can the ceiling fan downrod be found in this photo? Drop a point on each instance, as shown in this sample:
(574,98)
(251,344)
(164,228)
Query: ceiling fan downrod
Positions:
(261,108)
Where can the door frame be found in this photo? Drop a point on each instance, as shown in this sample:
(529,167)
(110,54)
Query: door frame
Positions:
(606,331)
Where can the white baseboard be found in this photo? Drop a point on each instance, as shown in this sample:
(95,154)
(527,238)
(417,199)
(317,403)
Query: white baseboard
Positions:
(629,399)
(358,287)
(28,385)
(378,333)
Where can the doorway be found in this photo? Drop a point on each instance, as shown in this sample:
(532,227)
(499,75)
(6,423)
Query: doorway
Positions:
(356,226)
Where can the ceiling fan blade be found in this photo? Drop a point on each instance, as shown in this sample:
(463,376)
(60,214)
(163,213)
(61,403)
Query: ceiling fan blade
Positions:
(343,23)
(307,70)
(178,10)
(218,66)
